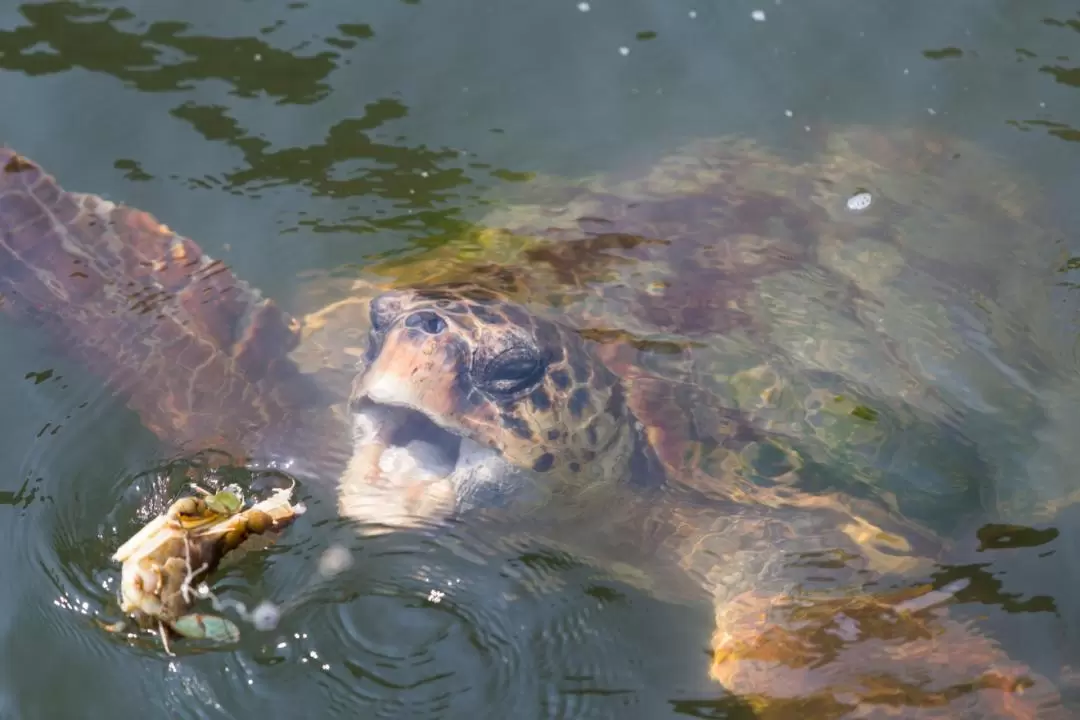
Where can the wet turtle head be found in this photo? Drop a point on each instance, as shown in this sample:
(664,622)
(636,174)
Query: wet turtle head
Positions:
(489,393)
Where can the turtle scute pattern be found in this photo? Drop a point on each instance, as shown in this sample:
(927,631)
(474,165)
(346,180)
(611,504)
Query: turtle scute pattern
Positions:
(674,285)
(730,269)
(490,370)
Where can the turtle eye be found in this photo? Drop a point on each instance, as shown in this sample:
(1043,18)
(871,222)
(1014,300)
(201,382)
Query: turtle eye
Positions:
(427,321)
(511,371)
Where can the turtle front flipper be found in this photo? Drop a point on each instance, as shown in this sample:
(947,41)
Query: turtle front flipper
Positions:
(199,354)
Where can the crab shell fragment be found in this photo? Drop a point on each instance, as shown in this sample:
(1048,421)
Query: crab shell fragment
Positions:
(162,560)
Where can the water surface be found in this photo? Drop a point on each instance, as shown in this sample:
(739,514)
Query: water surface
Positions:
(289,137)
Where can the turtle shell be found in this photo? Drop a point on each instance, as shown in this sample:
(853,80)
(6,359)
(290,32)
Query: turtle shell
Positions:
(748,286)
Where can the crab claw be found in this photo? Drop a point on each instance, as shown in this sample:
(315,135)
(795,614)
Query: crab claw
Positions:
(200,626)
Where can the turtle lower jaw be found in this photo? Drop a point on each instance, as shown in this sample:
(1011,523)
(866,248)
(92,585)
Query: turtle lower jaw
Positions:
(400,449)
(407,431)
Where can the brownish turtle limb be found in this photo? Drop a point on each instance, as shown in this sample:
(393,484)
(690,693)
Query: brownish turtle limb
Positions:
(199,354)
(892,655)
(814,616)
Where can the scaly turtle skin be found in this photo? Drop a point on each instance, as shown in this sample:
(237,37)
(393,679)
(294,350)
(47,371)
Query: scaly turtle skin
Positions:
(542,374)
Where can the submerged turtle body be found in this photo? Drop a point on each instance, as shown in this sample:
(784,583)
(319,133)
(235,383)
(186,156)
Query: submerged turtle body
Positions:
(658,363)
(729,270)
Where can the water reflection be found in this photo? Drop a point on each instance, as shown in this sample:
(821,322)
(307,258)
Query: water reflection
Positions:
(393,186)
(943,53)
(61,36)
(416,181)
(1062,75)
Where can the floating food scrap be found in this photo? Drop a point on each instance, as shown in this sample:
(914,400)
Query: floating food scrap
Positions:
(162,561)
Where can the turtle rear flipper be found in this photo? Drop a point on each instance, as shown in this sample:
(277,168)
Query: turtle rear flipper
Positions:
(199,354)
(894,654)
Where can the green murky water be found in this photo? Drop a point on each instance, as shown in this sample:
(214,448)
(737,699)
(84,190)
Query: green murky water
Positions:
(287,137)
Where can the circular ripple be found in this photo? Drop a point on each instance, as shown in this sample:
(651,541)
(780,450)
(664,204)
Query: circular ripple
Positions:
(469,622)
(409,630)
(456,626)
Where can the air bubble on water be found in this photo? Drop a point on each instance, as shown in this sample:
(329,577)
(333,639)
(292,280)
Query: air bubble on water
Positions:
(335,560)
(624,51)
(583,6)
(932,111)
(859,201)
(692,14)
(789,113)
(266,616)
(758,15)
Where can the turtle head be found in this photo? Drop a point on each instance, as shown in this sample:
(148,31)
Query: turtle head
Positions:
(493,396)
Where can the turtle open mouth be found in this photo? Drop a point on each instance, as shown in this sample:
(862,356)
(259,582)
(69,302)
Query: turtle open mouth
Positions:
(401,445)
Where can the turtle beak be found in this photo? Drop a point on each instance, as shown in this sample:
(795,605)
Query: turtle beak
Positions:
(418,375)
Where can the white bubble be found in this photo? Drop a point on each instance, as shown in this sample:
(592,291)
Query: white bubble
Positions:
(583,7)
(335,560)
(265,616)
(859,201)
(624,51)
(692,14)
(758,15)
(789,113)
(932,111)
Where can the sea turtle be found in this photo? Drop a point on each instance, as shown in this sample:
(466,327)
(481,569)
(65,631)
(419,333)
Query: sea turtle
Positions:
(659,366)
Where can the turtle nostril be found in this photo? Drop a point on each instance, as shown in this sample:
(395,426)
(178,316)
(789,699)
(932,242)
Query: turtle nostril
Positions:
(427,321)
